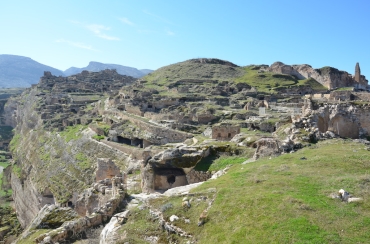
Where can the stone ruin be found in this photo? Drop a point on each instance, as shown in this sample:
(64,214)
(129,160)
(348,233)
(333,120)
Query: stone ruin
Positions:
(224,131)
(63,101)
(344,120)
(94,206)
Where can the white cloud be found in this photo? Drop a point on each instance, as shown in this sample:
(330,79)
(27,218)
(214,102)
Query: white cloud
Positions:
(98,31)
(126,21)
(76,44)
(170,33)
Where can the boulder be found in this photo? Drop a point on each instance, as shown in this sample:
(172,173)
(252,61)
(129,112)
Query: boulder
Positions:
(267,147)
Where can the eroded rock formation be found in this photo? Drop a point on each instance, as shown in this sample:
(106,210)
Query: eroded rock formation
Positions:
(327,76)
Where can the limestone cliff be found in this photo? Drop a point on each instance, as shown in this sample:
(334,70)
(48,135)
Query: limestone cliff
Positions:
(327,76)
(52,165)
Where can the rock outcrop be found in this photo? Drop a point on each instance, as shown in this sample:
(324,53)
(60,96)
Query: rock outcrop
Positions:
(169,168)
(266,147)
(327,76)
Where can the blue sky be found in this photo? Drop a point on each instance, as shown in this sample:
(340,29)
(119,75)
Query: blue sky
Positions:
(151,34)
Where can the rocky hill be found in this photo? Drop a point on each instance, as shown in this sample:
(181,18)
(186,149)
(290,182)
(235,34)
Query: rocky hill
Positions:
(330,77)
(168,157)
(19,71)
(96,67)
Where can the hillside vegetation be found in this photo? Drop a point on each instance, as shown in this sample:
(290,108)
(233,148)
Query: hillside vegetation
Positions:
(279,200)
(220,71)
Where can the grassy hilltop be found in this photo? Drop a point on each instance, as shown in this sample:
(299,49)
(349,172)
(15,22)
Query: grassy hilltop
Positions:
(279,200)
(220,71)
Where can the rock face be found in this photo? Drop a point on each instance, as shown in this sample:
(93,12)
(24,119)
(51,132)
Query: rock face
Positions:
(51,216)
(266,147)
(109,234)
(327,76)
(53,167)
(169,168)
(106,169)
(344,120)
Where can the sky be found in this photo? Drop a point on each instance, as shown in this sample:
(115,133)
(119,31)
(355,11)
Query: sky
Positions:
(149,34)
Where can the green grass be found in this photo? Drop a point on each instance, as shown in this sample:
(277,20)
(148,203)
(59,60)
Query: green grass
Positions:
(191,70)
(17,170)
(83,162)
(98,137)
(14,143)
(345,89)
(4,193)
(224,161)
(316,86)
(72,132)
(285,199)
(266,82)
(270,82)
(280,200)
(30,239)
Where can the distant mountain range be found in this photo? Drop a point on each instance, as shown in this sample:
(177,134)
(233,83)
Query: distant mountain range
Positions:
(19,71)
(96,66)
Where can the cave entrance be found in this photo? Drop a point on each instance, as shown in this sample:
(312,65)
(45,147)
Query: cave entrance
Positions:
(166,178)
(171,179)
(137,142)
(123,140)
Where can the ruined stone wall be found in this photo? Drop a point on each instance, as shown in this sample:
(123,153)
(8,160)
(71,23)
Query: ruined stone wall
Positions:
(345,120)
(198,176)
(340,95)
(225,132)
(364,96)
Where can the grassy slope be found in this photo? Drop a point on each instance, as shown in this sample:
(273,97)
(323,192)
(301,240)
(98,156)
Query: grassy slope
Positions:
(285,199)
(264,82)
(268,82)
(280,200)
